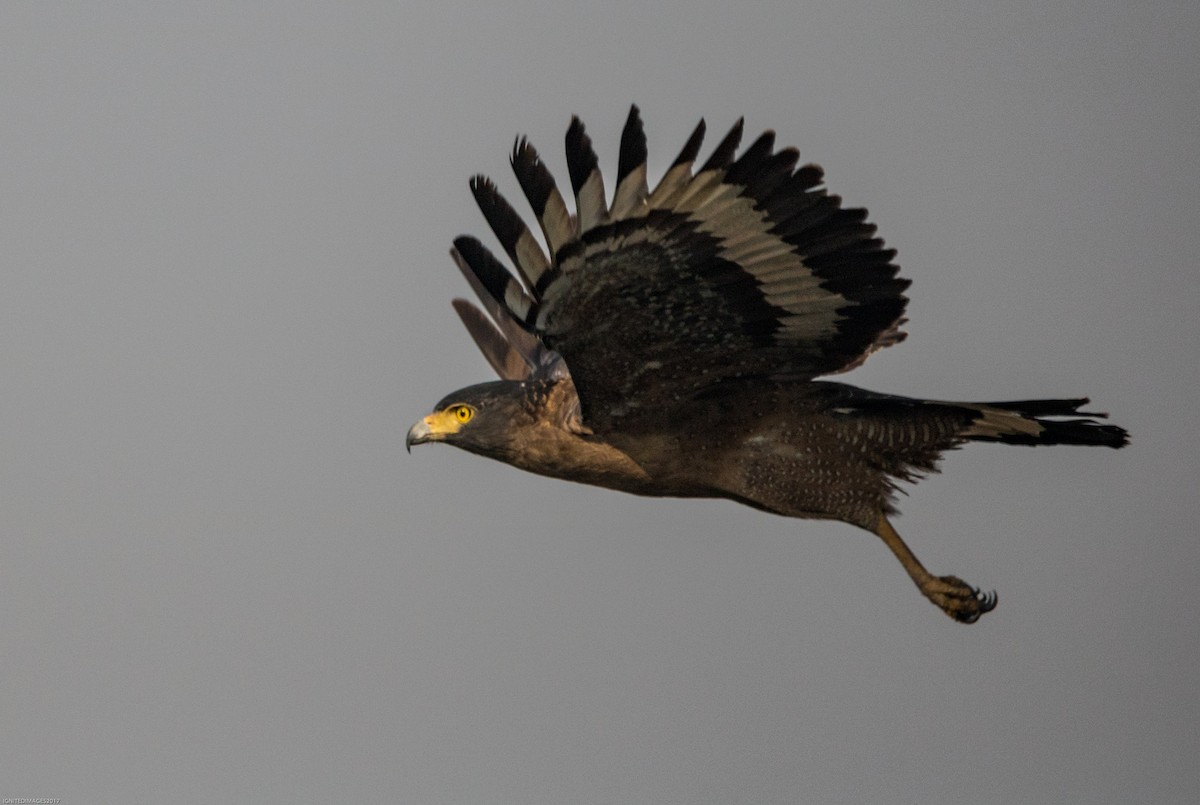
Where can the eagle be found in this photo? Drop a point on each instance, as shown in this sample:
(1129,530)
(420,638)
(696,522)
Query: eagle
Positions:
(669,343)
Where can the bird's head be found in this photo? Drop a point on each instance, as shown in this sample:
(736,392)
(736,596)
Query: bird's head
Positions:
(480,419)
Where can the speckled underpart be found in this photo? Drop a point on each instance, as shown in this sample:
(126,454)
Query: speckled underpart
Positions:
(666,344)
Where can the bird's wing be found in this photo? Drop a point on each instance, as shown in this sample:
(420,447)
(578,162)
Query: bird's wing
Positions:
(744,269)
(514,352)
(507,360)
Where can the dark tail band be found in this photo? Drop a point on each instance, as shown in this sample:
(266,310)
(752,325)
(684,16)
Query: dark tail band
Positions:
(1038,422)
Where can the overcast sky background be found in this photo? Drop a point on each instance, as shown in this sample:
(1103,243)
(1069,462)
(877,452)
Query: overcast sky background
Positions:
(225,297)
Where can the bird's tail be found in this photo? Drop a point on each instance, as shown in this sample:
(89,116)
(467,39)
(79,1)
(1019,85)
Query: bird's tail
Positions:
(1040,422)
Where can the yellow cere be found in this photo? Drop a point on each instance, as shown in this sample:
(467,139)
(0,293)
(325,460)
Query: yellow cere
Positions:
(449,420)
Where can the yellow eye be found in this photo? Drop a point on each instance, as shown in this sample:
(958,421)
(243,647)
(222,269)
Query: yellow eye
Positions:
(463,413)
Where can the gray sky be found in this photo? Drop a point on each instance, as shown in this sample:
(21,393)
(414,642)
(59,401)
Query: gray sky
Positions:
(225,297)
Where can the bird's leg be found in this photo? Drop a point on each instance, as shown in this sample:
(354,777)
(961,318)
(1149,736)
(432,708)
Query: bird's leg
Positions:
(956,598)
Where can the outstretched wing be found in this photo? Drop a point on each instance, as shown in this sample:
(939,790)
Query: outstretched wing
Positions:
(745,269)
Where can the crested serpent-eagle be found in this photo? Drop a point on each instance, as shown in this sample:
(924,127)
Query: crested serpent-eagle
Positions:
(668,344)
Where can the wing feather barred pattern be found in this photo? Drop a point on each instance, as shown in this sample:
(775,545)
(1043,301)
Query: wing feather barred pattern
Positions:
(680,171)
(586,179)
(495,287)
(518,242)
(631,192)
(746,268)
(558,227)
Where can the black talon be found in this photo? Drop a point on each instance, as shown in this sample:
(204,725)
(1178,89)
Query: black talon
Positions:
(989,601)
(964,612)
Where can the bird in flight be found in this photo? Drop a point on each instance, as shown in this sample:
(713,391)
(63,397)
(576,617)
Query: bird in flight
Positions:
(669,343)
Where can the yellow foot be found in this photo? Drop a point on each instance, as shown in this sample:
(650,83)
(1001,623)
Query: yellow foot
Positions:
(958,599)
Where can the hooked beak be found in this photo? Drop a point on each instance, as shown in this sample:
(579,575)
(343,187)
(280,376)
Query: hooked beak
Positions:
(436,427)
(418,434)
